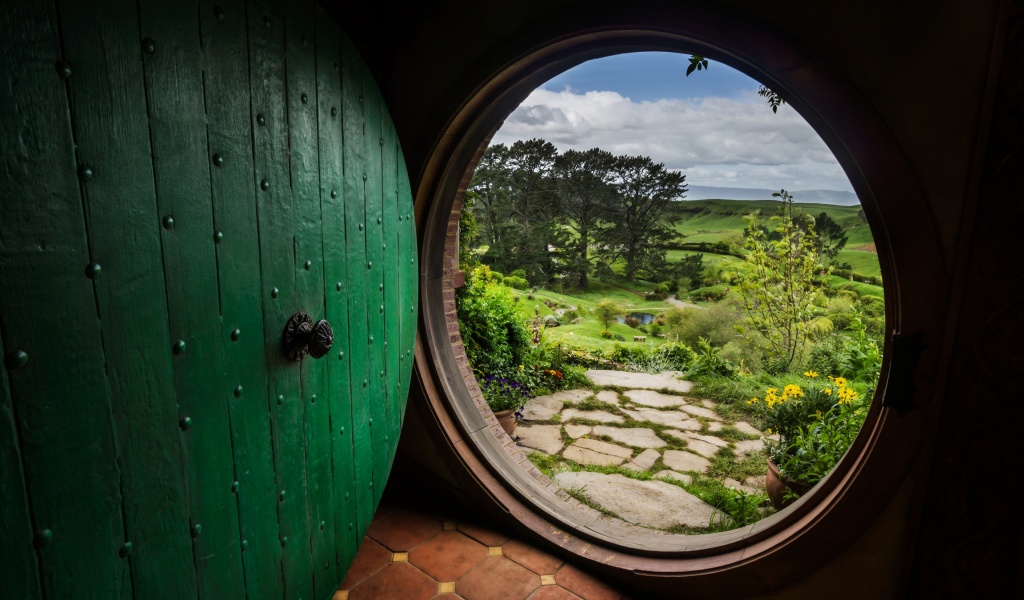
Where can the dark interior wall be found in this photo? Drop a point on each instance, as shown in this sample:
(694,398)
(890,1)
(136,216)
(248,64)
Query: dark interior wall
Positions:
(945,80)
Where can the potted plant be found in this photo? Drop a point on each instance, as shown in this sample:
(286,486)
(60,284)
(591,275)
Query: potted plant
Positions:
(809,430)
(507,398)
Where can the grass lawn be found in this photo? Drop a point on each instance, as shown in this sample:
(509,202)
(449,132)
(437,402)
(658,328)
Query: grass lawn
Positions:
(862,262)
(862,289)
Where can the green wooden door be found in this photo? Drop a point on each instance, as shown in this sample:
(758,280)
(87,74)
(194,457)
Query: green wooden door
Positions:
(179,179)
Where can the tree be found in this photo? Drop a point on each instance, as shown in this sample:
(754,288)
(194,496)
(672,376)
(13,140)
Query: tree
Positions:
(779,288)
(516,198)
(639,217)
(583,181)
(831,237)
(691,267)
(608,312)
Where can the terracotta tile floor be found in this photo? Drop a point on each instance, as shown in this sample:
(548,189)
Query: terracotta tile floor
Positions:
(412,555)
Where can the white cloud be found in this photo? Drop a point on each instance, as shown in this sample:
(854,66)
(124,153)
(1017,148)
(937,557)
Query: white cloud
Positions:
(714,141)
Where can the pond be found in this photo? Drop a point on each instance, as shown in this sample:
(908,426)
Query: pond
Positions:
(644,318)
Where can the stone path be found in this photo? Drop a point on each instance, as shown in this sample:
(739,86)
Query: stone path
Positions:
(647,424)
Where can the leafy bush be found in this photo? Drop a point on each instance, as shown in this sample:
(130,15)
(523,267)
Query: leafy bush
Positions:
(716,323)
(786,413)
(518,273)
(872,306)
(817,447)
(496,339)
(519,283)
(709,362)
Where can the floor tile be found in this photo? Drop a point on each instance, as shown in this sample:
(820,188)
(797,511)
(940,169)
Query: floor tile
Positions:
(371,558)
(497,578)
(403,530)
(533,559)
(397,580)
(554,592)
(585,585)
(485,536)
(447,555)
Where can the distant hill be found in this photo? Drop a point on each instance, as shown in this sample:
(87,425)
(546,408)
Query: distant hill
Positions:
(701,192)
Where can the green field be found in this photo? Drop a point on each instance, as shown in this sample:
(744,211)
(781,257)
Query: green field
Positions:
(722,221)
(702,221)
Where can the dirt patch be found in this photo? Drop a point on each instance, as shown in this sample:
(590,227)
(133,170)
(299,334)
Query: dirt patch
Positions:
(867,248)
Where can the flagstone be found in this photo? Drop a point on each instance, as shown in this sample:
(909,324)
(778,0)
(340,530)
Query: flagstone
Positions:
(577,431)
(573,395)
(700,411)
(643,461)
(655,399)
(746,447)
(679,460)
(680,477)
(672,418)
(640,437)
(608,397)
(747,428)
(647,503)
(650,381)
(541,408)
(729,482)
(595,452)
(602,416)
(546,438)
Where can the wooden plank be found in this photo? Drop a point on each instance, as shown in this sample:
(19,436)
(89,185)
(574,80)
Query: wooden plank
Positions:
(355,160)
(410,276)
(300,44)
(229,137)
(392,276)
(174,92)
(276,218)
(337,288)
(18,565)
(374,288)
(108,108)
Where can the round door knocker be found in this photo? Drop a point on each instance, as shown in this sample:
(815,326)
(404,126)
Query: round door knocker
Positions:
(302,337)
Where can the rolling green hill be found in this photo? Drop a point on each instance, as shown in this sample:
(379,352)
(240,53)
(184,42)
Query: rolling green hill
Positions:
(722,221)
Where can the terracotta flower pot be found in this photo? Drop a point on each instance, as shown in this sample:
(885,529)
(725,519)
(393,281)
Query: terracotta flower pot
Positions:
(776,485)
(507,418)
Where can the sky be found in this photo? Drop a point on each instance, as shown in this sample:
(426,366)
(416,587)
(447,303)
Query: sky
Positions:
(712,125)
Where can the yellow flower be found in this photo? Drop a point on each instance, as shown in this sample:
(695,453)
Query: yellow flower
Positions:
(840,381)
(521,367)
(752,401)
(846,395)
(810,374)
(817,414)
(828,391)
(792,391)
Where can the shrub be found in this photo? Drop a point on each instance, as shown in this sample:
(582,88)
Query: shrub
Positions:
(518,273)
(817,447)
(496,339)
(662,288)
(872,306)
(784,414)
(606,334)
(709,362)
(716,323)
(519,283)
